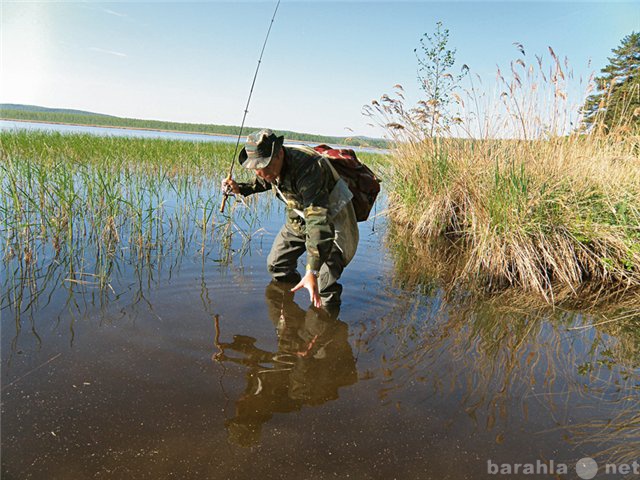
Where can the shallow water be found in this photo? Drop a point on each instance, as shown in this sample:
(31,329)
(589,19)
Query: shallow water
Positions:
(188,366)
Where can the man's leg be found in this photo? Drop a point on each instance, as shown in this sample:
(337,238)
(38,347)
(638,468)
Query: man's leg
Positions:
(283,259)
(330,271)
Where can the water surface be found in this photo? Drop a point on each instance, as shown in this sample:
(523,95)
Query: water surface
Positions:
(191,364)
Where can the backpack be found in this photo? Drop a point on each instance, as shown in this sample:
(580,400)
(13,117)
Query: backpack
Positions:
(363,183)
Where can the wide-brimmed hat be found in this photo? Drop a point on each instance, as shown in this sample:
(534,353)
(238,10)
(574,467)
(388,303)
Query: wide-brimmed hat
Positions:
(260,148)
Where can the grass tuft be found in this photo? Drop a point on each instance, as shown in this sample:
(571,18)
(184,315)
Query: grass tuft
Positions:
(530,200)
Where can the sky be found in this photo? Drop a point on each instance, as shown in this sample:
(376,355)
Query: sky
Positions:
(195,61)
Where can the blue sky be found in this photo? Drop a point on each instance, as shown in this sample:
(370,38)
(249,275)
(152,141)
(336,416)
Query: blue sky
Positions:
(194,61)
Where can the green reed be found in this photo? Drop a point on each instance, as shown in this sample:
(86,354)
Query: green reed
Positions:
(86,203)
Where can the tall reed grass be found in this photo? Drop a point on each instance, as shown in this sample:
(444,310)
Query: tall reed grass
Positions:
(529,198)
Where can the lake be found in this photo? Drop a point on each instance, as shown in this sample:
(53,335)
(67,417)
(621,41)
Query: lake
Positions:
(174,356)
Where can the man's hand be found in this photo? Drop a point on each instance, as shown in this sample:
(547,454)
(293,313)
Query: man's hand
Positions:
(310,282)
(229,186)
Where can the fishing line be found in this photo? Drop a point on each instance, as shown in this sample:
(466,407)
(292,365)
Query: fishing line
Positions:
(246,109)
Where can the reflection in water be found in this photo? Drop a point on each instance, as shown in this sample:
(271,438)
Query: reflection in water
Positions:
(313,360)
(506,358)
(559,375)
(442,372)
(80,277)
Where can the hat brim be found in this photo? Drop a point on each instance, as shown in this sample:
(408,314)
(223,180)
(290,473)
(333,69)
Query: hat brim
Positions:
(260,162)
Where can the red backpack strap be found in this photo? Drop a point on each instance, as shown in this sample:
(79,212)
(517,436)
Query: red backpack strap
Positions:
(344,153)
(322,148)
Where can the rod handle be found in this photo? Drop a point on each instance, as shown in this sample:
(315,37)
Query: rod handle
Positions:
(224,202)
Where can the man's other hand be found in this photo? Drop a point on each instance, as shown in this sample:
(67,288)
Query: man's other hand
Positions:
(310,282)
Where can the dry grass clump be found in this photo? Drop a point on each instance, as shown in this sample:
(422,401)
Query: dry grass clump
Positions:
(531,200)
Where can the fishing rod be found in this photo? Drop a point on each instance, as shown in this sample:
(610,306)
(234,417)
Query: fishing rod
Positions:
(246,109)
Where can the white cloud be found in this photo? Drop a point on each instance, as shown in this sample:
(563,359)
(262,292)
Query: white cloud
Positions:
(117,14)
(108,52)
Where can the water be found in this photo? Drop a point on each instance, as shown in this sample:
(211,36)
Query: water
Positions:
(188,366)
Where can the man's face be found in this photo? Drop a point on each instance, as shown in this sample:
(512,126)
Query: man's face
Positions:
(271,171)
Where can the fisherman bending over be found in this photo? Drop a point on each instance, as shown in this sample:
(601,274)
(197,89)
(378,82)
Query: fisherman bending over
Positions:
(320,215)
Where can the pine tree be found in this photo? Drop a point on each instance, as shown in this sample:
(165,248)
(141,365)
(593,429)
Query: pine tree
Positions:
(617,100)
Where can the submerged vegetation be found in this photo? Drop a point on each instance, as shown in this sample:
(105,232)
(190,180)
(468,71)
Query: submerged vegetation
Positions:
(525,197)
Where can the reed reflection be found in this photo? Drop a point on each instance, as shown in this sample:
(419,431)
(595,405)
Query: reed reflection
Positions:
(313,360)
(569,370)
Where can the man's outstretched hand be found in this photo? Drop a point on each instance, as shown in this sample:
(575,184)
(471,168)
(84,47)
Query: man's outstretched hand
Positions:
(310,282)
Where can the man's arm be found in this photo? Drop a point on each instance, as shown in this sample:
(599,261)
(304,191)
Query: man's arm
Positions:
(314,189)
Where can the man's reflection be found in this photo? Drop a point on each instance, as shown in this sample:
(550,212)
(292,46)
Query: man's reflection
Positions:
(313,360)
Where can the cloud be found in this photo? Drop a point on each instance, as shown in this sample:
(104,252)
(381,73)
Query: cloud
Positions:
(108,52)
(117,14)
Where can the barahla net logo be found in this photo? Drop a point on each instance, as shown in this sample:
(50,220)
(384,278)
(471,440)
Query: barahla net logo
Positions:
(586,468)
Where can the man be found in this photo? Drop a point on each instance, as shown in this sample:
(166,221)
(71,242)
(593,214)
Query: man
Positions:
(320,216)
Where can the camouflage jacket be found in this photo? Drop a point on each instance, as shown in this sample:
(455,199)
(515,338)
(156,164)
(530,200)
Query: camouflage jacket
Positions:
(306,182)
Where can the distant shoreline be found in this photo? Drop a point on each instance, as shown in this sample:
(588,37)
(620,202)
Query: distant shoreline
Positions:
(187,132)
(119,127)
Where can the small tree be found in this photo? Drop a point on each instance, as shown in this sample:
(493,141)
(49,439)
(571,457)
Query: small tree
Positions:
(617,101)
(435,63)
